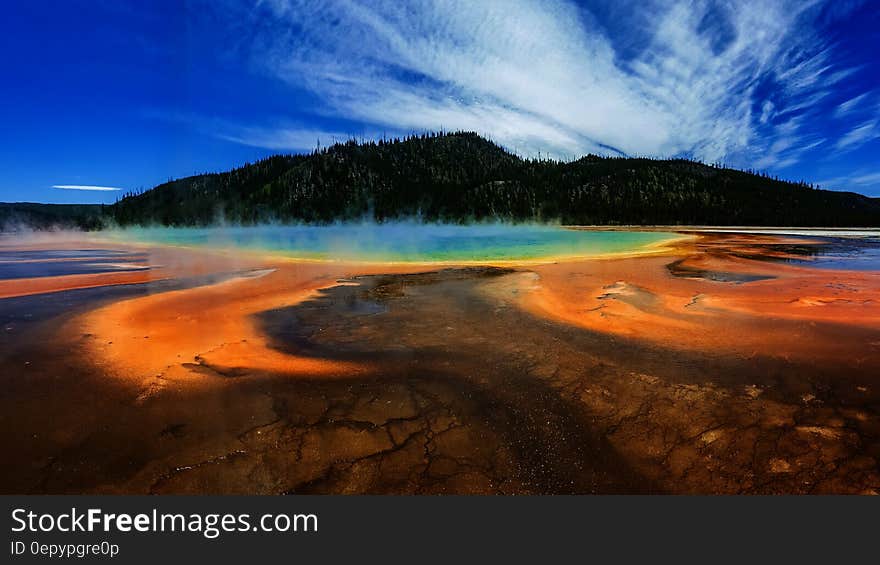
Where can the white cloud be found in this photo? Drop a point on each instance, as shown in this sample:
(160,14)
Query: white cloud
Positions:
(284,139)
(545,76)
(85,187)
(766,111)
(870,178)
(858,136)
(850,105)
(858,180)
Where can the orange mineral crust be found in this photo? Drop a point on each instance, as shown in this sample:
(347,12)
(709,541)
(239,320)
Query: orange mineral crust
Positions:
(189,333)
(710,296)
(41,285)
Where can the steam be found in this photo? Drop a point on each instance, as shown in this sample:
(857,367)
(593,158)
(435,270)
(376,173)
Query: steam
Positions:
(18,233)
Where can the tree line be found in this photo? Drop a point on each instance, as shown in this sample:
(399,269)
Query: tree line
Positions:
(463,177)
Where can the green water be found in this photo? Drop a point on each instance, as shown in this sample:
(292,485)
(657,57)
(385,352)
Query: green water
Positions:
(405,242)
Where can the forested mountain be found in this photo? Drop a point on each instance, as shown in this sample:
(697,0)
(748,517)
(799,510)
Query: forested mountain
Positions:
(463,177)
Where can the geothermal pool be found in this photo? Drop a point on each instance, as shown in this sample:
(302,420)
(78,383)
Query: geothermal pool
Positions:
(403,242)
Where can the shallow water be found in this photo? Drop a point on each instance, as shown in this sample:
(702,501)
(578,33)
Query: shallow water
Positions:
(59,262)
(404,242)
(835,252)
(851,254)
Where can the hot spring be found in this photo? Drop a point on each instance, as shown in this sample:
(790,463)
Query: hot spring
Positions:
(406,242)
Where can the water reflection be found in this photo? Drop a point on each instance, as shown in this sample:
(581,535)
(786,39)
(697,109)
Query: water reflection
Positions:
(842,253)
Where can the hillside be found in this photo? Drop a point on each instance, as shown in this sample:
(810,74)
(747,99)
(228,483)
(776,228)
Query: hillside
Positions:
(14,215)
(463,177)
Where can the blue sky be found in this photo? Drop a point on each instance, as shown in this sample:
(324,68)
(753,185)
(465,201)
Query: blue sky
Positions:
(127,95)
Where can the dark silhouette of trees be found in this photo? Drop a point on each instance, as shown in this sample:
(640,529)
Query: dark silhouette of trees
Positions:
(462,177)
(89,217)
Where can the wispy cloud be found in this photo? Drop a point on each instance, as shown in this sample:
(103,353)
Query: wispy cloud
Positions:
(549,76)
(855,181)
(85,187)
(869,178)
(850,105)
(283,139)
(859,135)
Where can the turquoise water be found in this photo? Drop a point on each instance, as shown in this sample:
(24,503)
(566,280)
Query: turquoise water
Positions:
(405,242)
